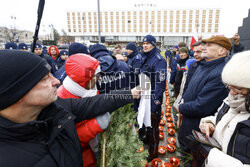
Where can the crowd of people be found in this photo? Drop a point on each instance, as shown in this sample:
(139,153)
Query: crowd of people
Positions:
(55,102)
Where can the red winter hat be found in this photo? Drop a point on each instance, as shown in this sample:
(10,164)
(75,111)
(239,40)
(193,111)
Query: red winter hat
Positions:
(81,68)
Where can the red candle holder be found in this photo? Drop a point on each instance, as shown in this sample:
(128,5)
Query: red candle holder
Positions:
(175,161)
(169,119)
(171,140)
(161,128)
(161,135)
(171,148)
(162,122)
(156,162)
(162,150)
(171,131)
(170,125)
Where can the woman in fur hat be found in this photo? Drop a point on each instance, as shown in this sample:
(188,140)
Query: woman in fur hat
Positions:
(231,124)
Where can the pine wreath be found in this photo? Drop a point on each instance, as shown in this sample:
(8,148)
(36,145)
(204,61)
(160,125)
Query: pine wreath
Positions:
(120,141)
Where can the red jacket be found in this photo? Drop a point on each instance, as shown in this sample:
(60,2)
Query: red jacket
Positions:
(81,68)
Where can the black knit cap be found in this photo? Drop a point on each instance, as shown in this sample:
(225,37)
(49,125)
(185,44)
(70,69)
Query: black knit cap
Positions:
(20,71)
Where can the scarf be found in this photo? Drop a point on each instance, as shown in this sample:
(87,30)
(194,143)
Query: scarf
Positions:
(77,90)
(237,102)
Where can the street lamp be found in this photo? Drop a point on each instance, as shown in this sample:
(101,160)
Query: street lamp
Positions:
(14,20)
(52,28)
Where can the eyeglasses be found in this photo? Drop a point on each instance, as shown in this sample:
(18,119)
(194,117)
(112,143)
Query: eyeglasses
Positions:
(234,89)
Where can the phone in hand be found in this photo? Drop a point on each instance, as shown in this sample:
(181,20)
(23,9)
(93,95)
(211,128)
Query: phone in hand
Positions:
(206,140)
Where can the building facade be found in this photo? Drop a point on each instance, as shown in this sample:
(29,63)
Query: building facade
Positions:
(170,26)
(15,35)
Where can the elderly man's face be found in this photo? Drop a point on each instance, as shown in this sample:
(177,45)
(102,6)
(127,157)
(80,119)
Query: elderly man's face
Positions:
(211,51)
(44,92)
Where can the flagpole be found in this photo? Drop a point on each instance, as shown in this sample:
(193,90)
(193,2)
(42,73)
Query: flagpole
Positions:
(39,18)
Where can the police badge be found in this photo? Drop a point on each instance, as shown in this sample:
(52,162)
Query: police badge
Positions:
(162,75)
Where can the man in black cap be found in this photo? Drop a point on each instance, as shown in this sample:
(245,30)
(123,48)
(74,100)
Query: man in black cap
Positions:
(36,127)
(38,51)
(23,47)
(134,57)
(154,66)
(10,45)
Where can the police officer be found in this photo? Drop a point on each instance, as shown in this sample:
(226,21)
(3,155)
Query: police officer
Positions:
(154,66)
(51,62)
(114,73)
(23,46)
(134,57)
(10,45)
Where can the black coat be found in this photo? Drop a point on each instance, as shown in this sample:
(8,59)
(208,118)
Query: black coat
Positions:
(51,141)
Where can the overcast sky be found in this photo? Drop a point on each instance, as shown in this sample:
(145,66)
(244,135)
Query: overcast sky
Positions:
(25,11)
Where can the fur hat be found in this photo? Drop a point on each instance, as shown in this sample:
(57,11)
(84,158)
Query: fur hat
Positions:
(131,46)
(236,71)
(20,71)
(220,40)
(78,48)
(149,38)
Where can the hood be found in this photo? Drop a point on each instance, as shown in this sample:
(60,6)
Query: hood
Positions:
(57,51)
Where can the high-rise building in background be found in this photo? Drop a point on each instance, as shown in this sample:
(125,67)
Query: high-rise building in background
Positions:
(170,26)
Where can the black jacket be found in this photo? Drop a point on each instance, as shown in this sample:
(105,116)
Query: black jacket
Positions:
(51,140)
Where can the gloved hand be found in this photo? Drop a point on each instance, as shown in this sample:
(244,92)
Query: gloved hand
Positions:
(103,120)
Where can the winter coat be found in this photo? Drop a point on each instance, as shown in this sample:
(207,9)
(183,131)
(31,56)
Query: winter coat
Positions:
(134,61)
(80,69)
(173,68)
(180,69)
(52,139)
(51,62)
(190,73)
(168,53)
(228,123)
(203,96)
(155,66)
(60,74)
(86,131)
(114,73)
(237,48)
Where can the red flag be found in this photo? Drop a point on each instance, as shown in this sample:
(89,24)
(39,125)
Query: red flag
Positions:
(192,42)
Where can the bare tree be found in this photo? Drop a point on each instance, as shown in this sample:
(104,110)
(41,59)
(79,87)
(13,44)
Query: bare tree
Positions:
(66,39)
(12,35)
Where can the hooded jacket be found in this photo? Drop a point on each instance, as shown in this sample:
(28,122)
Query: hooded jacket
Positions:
(57,52)
(114,73)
